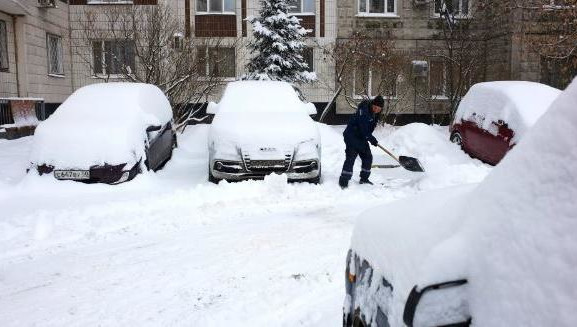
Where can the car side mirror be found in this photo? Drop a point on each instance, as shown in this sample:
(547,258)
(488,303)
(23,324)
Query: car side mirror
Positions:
(212,108)
(153,128)
(443,304)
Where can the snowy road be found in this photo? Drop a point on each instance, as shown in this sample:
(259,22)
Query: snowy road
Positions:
(172,249)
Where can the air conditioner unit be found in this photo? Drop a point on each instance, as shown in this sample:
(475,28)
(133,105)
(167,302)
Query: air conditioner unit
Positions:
(47,3)
(420,68)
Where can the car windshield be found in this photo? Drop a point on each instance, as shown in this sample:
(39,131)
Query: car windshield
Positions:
(261,97)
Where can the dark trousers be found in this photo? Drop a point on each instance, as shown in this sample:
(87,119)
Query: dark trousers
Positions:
(353,149)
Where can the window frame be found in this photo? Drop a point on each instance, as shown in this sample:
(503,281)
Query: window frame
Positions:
(4,46)
(207,62)
(103,52)
(367,13)
(59,55)
(209,12)
(369,90)
(304,13)
(458,16)
(444,86)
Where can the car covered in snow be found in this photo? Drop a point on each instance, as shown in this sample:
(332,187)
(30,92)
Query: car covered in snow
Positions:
(263,127)
(493,116)
(107,133)
(498,253)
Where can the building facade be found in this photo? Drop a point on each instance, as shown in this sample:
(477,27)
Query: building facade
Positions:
(358,48)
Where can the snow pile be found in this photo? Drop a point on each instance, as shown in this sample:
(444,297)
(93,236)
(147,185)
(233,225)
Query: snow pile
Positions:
(517,103)
(445,163)
(100,123)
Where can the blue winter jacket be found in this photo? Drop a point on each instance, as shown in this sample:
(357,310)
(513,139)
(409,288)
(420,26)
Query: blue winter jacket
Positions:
(361,125)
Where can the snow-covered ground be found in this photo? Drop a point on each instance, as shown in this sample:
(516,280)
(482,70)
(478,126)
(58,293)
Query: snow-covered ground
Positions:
(172,249)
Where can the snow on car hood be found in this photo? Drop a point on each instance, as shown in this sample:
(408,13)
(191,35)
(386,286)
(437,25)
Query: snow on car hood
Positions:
(396,238)
(102,123)
(282,131)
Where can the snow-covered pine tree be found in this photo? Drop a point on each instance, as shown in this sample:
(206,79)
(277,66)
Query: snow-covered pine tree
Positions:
(277,45)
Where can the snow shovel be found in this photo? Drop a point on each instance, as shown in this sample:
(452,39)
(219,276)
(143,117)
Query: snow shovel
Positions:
(409,163)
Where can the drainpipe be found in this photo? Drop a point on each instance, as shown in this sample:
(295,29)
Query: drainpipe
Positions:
(72,82)
(14,17)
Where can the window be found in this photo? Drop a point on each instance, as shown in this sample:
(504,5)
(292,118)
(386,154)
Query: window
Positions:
(377,7)
(455,7)
(216,62)
(3,47)
(109,2)
(113,57)
(308,57)
(370,82)
(215,6)
(302,6)
(54,46)
(558,73)
(437,79)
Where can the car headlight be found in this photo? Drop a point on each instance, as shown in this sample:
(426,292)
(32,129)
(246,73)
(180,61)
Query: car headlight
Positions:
(307,149)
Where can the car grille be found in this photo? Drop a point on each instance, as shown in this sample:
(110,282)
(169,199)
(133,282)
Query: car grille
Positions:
(268,165)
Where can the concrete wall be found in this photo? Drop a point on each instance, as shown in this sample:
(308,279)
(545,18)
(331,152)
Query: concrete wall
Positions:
(32,72)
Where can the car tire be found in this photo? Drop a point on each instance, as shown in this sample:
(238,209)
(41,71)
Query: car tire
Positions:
(457,138)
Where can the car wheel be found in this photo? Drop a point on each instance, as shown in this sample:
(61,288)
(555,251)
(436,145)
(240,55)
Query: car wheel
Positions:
(457,138)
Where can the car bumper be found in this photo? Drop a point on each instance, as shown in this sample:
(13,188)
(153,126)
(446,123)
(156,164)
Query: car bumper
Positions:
(107,174)
(237,171)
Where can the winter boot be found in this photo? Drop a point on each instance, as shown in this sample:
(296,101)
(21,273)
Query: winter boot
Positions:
(343,182)
(365,181)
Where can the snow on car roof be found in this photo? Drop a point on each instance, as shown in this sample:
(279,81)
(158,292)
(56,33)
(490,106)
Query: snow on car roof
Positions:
(261,96)
(100,123)
(518,103)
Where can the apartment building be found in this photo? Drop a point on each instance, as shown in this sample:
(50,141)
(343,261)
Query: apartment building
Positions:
(45,54)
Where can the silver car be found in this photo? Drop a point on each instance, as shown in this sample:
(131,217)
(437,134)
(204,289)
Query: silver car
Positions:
(260,128)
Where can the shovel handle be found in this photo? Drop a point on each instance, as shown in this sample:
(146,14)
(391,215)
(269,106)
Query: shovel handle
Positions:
(389,153)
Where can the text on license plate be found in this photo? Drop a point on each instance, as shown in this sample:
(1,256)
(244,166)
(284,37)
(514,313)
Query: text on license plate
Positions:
(72,174)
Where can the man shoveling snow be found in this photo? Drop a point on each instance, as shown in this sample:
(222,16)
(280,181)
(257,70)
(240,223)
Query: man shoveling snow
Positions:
(358,135)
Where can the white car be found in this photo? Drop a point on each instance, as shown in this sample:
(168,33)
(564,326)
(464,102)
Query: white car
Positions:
(106,133)
(263,127)
(499,253)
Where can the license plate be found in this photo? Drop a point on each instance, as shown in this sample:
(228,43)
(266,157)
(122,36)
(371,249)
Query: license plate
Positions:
(72,174)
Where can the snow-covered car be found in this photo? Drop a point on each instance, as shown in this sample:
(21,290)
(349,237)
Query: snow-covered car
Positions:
(262,127)
(499,253)
(493,116)
(106,133)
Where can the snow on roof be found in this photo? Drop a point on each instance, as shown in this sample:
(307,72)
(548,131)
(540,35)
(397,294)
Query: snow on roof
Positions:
(517,103)
(261,96)
(100,123)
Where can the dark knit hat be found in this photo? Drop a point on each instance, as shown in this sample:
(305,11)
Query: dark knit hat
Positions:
(379,101)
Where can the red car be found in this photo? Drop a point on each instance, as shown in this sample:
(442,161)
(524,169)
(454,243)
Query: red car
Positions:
(493,116)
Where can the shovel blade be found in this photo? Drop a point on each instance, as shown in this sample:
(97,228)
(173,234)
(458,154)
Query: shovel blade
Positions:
(411,164)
